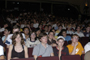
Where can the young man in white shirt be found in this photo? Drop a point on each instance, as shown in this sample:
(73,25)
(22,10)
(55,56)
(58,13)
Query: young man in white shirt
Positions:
(87,47)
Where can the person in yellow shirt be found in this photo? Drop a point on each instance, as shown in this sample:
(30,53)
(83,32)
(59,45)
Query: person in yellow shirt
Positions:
(75,48)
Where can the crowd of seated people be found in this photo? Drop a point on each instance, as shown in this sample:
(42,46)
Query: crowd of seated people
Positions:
(45,33)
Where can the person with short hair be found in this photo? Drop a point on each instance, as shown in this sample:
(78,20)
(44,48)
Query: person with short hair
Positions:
(17,49)
(60,49)
(75,48)
(42,49)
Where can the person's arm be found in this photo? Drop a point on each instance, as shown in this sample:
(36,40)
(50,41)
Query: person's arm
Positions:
(5,39)
(2,57)
(35,57)
(10,52)
(59,55)
(52,54)
(74,49)
(26,51)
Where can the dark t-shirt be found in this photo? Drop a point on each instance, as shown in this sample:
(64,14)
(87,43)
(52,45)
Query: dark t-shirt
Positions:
(64,51)
(51,42)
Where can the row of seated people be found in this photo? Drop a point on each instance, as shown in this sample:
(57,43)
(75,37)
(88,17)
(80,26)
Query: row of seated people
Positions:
(16,38)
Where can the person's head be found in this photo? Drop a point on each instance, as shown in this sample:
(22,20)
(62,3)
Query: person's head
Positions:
(87,56)
(46,28)
(33,35)
(75,38)
(64,33)
(53,30)
(43,38)
(49,27)
(17,38)
(7,31)
(60,40)
(88,28)
(26,31)
(51,35)
(16,28)
(5,25)
(60,27)
(78,28)
(38,31)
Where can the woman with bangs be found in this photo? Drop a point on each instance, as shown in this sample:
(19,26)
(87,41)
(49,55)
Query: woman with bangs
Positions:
(17,49)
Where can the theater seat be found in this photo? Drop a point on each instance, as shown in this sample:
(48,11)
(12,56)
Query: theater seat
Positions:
(30,50)
(24,59)
(48,58)
(82,56)
(71,57)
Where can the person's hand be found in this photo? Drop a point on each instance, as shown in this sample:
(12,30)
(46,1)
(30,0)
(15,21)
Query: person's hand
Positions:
(54,38)
(15,58)
(60,48)
(76,44)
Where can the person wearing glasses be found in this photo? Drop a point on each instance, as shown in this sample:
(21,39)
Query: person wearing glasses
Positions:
(75,48)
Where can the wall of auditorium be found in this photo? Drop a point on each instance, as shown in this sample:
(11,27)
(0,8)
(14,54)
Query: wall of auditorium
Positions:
(80,3)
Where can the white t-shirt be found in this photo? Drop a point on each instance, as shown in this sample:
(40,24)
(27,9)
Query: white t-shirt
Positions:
(80,34)
(1,50)
(35,25)
(87,47)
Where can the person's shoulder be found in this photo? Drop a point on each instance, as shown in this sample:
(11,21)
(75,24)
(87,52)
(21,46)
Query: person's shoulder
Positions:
(69,45)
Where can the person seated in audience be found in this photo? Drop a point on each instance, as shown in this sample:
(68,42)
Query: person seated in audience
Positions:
(6,33)
(64,34)
(51,39)
(33,41)
(46,29)
(8,39)
(17,49)
(75,48)
(69,31)
(26,33)
(38,32)
(78,32)
(59,30)
(3,28)
(87,56)
(87,47)
(60,49)
(49,27)
(42,49)
(87,32)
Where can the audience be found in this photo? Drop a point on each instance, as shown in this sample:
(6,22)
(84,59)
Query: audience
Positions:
(32,26)
(17,49)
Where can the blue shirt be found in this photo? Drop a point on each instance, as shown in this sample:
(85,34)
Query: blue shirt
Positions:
(67,38)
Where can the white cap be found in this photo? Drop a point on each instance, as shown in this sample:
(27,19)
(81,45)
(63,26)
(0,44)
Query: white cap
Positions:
(61,37)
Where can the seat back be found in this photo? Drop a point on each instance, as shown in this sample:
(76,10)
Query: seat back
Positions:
(71,57)
(24,59)
(30,50)
(48,58)
(82,56)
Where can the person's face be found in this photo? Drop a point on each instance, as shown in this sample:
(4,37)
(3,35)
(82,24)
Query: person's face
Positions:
(44,39)
(60,27)
(88,29)
(16,30)
(46,28)
(6,25)
(26,31)
(60,42)
(6,32)
(75,39)
(33,35)
(38,32)
(50,27)
(51,35)
(78,28)
(64,33)
(18,38)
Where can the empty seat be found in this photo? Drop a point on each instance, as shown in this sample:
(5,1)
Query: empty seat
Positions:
(48,58)
(71,57)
